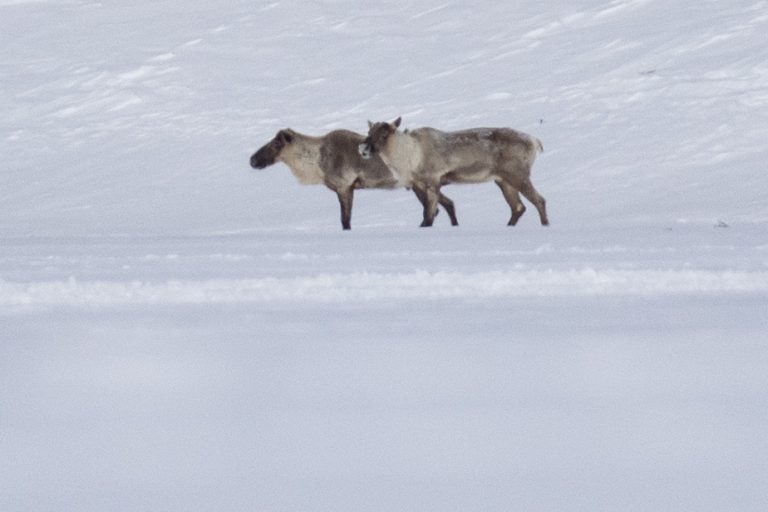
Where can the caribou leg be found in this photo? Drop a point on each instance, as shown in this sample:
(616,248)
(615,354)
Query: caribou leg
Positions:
(513,200)
(345,201)
(421,195)
(430,205)
(444,201)
(531,194)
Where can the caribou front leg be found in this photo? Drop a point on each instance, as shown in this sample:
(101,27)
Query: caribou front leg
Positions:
(421,195)
(432,194)
(345,201)
(444,201)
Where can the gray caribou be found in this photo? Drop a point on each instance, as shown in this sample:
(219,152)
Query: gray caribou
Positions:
(333,160)
(431,158)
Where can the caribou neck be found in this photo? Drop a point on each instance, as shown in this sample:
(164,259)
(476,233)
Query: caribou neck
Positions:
(302,156)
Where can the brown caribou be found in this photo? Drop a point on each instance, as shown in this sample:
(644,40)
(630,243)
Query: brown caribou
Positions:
(431,158)
(333,160)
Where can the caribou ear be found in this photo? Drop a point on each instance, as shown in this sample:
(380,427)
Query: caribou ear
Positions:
(396,122)
(370,124)
(285,136)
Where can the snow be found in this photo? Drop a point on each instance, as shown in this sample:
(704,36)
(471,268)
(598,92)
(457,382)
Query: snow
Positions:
(181,332)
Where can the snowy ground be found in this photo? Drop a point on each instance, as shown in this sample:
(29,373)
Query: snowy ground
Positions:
(393,369)
(179,332)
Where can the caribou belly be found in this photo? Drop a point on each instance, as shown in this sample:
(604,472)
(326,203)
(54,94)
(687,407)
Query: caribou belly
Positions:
(473,173)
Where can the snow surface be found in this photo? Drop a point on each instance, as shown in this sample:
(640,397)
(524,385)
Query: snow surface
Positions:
(181,332)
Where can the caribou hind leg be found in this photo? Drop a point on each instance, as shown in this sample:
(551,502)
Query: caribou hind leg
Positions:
(513,199)
(531,194)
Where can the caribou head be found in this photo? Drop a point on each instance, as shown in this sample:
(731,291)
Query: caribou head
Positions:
(269,153)
(378,134)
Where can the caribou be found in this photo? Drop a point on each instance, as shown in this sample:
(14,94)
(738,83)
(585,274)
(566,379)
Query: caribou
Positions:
(333,160)
(431,158)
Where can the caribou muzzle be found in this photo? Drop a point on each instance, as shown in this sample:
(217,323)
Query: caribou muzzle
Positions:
(366,149)
(264,157)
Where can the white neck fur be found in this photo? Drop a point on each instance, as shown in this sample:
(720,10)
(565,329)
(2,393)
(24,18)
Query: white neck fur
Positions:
(403,156)
(302,156)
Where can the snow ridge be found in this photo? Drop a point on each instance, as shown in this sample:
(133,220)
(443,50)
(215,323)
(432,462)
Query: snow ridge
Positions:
(356,287)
